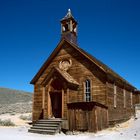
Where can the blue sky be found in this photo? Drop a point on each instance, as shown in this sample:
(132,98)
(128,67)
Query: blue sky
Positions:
(30,30)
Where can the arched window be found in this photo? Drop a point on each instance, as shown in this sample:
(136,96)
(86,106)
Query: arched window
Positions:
(87,90)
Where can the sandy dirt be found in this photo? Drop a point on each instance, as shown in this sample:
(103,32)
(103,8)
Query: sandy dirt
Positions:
(16,119)
(129,130)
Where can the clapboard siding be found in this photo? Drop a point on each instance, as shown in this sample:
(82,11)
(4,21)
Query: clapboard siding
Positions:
(119,112)
(37,102)
(91,118)
(81,70)
(79,67)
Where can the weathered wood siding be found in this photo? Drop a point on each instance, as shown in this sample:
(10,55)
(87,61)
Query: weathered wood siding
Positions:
(81,70)
(89,117)
(120,112)
(136,98)
(37,103)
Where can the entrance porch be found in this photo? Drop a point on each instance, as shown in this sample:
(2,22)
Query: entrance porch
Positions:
(55,98)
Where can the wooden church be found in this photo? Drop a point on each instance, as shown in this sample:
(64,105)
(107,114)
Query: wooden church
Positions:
(78,92)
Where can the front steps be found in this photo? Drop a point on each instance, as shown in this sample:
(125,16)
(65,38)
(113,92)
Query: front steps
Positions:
(50,126)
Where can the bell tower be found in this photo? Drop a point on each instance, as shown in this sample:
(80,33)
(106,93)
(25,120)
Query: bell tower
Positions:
(69,28)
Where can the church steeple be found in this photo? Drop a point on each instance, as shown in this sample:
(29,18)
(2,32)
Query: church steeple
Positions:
(69,27)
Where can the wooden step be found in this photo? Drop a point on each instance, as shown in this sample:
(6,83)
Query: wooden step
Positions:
(48,122)
(40,131)
(59,120)
(44,128)
(45,125)
(50,126)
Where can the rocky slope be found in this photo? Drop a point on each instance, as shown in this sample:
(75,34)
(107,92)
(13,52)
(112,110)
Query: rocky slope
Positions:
(15,101)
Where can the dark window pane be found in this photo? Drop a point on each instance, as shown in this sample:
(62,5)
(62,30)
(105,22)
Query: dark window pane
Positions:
(87,90)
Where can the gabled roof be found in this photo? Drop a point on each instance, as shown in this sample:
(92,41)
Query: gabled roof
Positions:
(98,63)
(106,69)
(68,78)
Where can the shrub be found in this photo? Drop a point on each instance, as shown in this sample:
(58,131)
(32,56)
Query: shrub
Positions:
(13,113)
(25,117)
(6,123)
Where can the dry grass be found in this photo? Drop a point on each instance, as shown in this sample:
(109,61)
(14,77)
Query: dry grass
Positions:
(7,122)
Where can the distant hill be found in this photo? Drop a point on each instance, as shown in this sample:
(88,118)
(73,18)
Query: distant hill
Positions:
(10,96)
(15,101)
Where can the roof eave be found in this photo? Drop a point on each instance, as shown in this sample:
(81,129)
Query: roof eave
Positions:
(119,78)
(35,78)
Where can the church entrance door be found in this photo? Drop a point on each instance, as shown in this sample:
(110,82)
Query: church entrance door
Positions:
(56,104)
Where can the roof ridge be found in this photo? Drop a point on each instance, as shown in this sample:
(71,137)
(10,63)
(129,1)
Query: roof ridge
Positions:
(93,59)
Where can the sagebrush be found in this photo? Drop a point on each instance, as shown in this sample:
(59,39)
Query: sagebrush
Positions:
(7,122)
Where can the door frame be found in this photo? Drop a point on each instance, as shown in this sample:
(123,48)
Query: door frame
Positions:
(50,103)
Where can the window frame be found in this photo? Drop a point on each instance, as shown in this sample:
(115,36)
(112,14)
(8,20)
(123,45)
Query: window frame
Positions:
(124,98)
(87,90)
(115,96)
(131,99)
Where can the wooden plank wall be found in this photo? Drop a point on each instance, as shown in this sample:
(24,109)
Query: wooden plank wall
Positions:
(81,70)
(136,98)
(37,103)
(88,120)
(119,112)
